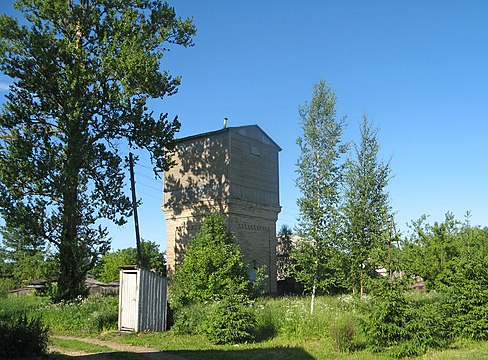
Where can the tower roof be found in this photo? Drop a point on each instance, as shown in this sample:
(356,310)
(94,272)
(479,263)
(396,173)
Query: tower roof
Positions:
(245,130)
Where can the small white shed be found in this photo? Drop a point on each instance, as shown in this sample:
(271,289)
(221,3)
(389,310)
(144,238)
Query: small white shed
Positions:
(142,300)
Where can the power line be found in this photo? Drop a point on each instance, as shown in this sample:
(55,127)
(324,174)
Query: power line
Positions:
(149,186)
(151,195)
(147,176)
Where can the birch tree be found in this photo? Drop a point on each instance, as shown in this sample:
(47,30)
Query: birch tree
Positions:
(366,210)
(320,170)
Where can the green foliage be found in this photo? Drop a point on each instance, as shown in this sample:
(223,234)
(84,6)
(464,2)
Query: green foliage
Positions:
(283,252)
(212,267)
(322,267)
(22,335)
(342,332)
(433,251)
(7,284)
(259,286)
(290,316)
(189,319)
(401,325)
(467,300)
(230,321)
(107,269)
(22,303)
(23,259)
(319,180)
(452,258)
(366,209)
(83,73)
(90,315)
(213,276)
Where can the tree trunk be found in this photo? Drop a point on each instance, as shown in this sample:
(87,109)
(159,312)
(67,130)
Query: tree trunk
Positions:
(361,285)
(312,302)
(71,255)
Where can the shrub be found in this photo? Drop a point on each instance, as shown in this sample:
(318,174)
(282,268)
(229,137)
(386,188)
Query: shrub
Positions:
(404,325)
(467,300)
(6,284)
(189,319)
(212,267)
(21,335)
(230,321)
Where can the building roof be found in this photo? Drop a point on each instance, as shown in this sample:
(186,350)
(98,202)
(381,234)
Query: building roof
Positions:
(224,130)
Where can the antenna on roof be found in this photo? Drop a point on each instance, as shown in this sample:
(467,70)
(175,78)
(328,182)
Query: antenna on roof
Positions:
(225,122)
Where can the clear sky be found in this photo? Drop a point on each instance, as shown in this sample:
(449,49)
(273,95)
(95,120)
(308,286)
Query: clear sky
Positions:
(419,69)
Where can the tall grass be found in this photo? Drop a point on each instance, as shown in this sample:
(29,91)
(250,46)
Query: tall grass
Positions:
(91,315)
(26,303)
(290,316)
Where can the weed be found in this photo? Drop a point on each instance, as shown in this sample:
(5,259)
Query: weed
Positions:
(342,332)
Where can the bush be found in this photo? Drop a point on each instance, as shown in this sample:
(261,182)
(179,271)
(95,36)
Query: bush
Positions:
(188,319)
(227,321)
(6,284)
(467,301)
(21,335)
(230,321)
(402,324)
(212,267)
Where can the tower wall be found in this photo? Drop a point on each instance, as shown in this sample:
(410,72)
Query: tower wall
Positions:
(233,172)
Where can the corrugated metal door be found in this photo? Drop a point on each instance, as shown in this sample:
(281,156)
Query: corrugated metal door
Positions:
(128,300)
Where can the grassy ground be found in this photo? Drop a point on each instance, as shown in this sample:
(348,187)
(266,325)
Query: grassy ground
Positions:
(288,332)
(79,345)
(196,347)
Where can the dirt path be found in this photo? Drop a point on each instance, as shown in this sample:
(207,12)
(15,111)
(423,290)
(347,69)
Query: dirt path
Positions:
(149,353)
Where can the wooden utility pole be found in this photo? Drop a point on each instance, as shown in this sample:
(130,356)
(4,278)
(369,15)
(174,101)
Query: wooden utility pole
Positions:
(134,207)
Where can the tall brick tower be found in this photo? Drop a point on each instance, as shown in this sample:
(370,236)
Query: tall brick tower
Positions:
(234,172)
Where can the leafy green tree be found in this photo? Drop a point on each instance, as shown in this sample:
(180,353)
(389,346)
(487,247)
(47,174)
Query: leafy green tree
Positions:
(83,71)
(319,179)
(24,258)
(7,281)
(366,209)
(212,267)
(107,268)
(433,251)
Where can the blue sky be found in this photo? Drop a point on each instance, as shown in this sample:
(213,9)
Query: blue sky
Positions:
(419,69)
